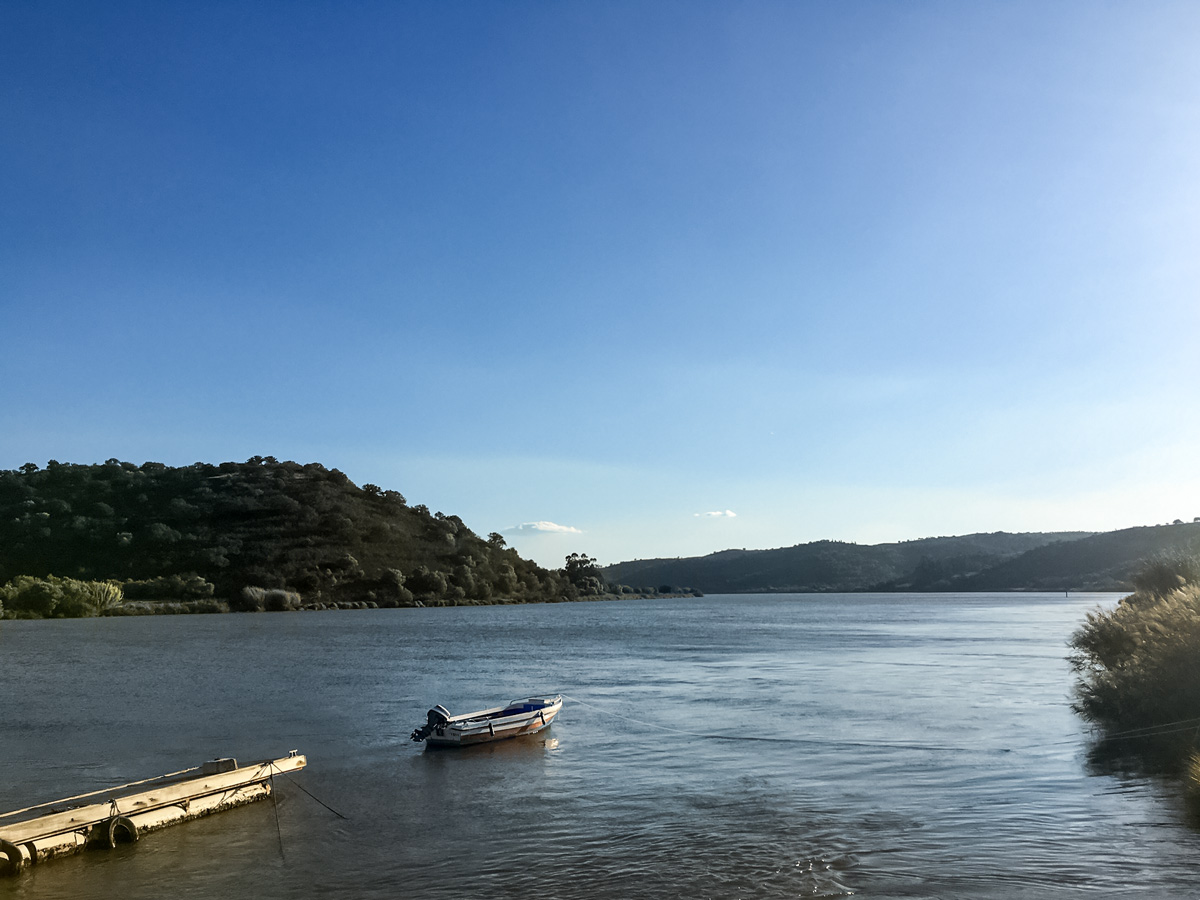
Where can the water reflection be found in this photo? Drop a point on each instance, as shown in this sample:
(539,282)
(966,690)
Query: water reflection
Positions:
(526,746)
(1132,758)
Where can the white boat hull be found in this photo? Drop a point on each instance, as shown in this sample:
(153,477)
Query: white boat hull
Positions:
(497,724)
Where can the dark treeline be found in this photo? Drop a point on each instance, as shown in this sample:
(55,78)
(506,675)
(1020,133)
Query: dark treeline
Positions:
(258,534)
(928,564)
(1000,561)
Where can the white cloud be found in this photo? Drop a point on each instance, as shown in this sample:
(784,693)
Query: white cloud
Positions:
(727,514)
(543,528)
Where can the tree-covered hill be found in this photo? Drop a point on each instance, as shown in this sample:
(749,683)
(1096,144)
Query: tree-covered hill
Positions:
(977,562)
(920,565)
(1107,561)
(261,524)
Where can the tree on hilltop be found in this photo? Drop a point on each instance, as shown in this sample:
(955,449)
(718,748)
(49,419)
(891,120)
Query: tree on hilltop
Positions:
(584,573)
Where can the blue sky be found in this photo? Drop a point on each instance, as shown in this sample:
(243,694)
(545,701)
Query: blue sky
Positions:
(864,271)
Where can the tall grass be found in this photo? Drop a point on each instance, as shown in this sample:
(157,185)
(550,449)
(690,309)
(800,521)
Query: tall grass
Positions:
(27,596)
(257,599)
(1137,665)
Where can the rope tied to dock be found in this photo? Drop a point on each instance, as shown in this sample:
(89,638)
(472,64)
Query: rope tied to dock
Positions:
(275,803)
(303,788)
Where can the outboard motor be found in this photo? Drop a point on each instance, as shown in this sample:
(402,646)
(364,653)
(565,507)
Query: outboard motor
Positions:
(435,720)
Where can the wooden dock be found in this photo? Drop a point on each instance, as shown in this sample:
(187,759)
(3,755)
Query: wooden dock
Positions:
(56,829)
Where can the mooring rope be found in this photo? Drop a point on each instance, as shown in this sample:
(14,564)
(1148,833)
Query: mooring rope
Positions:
(1155,730)
(107,790)
(275,803)
(303,788)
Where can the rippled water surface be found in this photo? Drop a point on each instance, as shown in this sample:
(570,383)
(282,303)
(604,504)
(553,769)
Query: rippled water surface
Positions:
(746,746)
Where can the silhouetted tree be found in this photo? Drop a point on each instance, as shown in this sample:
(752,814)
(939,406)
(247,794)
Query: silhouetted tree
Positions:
(584,574)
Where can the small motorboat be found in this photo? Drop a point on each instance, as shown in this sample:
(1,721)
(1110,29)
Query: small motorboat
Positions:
(516,719)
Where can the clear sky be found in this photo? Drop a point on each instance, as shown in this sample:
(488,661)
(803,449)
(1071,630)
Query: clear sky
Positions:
(591,273)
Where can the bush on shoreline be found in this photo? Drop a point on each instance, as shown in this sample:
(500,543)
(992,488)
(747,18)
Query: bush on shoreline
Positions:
(256,599)
(1138,666)
(53,597)
(170,587)
(168,607)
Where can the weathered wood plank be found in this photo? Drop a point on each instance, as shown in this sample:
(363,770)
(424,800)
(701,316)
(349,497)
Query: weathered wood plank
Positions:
(43,837)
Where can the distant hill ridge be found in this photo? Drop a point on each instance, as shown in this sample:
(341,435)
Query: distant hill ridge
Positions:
(1066,560)
(207,530)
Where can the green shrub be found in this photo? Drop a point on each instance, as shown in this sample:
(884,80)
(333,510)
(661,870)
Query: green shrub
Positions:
(168,607)
(31,596)
(1164,573)
(1138,664)
(257,599)
(279,600)
(427,585)
(170,587)
(57,597)
(249,599)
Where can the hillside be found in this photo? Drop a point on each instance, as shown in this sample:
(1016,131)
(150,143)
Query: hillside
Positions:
(977,562)
(836,566)
(259,524)
(205,531)
(1105,561)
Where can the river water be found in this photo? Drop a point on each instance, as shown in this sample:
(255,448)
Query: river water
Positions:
(727,746)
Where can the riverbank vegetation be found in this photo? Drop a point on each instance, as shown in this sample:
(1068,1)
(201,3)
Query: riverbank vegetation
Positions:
(1138,669)
(258,535)
(51,597)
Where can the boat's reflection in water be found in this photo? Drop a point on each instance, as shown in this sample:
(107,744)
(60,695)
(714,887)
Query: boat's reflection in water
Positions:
(517,747)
